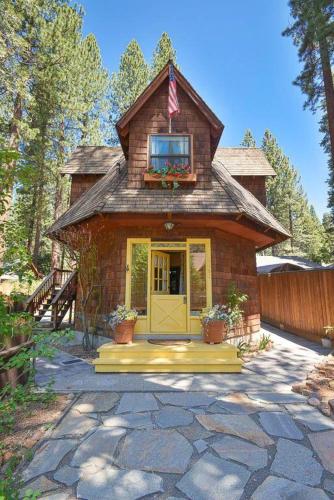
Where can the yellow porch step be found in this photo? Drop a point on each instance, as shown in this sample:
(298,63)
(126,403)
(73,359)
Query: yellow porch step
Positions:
(142,356)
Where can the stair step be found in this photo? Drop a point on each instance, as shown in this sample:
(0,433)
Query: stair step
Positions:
(166,361)
(233,366)
(142,356)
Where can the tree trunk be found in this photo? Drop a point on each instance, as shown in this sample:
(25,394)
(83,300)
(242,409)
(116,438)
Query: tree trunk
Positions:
(13,143)
(329,98)
(56,251)
(38,224)
(55,247)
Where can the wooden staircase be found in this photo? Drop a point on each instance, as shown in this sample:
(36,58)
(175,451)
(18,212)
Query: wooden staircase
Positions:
(55,294)
(143,357)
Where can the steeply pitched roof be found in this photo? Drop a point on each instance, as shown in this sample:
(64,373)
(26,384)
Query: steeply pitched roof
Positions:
(216,125)
(111,195)
(99,159)
(271,263)
(244,161)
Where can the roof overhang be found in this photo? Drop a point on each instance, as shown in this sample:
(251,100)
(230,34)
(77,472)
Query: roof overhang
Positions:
(216,126)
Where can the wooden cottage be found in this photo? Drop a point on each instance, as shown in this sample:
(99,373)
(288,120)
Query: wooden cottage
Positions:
(171,252)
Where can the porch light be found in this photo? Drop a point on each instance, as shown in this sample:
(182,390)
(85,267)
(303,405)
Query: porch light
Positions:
(169,226)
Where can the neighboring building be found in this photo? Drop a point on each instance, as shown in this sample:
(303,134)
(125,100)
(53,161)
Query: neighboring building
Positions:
(168,252)
(273,264)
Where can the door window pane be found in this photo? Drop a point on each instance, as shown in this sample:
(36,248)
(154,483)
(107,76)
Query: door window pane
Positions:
(198,298)
(139,277)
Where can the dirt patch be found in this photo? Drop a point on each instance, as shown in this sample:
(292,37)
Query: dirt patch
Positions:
(319,386)
(30,425)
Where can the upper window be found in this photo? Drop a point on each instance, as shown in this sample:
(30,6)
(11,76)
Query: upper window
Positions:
(168,150)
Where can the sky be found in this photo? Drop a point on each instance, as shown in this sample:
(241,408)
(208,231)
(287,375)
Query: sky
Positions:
(233,54)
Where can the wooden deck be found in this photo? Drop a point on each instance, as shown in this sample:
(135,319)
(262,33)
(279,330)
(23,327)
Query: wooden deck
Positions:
(143,357)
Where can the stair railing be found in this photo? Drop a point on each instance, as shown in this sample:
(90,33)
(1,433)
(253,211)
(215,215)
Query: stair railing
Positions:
(42,291)
(64,299)
(57,277)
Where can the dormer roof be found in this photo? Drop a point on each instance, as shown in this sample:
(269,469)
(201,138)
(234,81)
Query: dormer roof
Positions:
(216,126)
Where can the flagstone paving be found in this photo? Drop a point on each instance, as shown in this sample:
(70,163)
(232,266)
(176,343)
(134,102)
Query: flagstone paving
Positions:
(172,452)
(182,436)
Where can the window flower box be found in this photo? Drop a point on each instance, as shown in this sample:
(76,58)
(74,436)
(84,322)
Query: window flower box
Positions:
(170,173)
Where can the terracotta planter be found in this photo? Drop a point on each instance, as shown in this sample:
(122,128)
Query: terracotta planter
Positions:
(214,332)
(123,333)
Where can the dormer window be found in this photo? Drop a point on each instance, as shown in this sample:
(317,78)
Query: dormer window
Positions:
(170,150)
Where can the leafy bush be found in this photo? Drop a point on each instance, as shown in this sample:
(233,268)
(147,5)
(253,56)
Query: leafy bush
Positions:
(13,324)
(120,314)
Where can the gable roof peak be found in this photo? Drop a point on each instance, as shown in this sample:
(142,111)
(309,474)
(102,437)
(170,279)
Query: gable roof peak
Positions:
(216,126)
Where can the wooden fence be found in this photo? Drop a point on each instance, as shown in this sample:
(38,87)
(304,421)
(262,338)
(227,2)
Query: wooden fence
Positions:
(301,302)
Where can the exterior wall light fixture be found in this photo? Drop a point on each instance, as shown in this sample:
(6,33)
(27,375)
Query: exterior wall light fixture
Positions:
(169,226)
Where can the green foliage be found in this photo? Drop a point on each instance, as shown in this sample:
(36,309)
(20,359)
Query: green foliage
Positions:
(13,324)
(130,80)
(54,90)
(19,398)
(264,342)
(243,348)
(287,201)
(248,140)
(120,314)
(163,53)
(313,33)
(231,312)
(8,482)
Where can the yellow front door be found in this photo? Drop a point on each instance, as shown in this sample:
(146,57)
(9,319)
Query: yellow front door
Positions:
(168,312)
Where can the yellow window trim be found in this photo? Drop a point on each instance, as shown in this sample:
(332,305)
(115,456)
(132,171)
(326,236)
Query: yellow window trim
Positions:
(130,242)
(207,243)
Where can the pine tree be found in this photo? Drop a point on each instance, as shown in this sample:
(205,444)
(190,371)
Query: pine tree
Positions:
(163,53)
(62,105)
(328,246)
(313,33)
(130,80)
(288,203)
(248,141)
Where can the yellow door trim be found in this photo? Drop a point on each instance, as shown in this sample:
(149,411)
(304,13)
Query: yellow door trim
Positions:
(143,325)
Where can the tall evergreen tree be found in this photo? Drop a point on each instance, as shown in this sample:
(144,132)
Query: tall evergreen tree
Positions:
(248,141)
(163,53)
(130,80)
(328,246)
(313,33)
(61,102)
(288,203)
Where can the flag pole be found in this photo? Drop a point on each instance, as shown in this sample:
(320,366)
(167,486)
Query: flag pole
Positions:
(170,124)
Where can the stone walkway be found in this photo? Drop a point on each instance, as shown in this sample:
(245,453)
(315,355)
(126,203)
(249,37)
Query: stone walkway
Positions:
(204,437)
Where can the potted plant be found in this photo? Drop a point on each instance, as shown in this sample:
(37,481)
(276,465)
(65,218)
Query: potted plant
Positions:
(218,320)
(122,321)
(329,335)
(215,323)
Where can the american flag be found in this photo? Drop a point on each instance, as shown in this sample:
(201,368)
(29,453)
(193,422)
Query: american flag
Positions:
(173,103)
